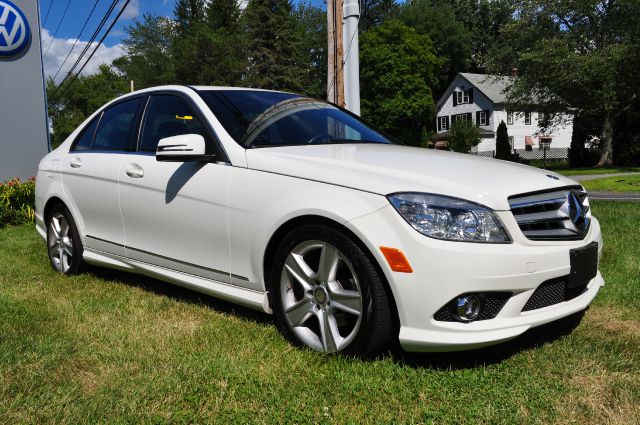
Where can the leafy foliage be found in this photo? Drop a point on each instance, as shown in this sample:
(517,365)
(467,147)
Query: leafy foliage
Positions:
(17,202)
(463,135)
(273,47)
(398,69)
(503,147)
(69,110)
(575,54)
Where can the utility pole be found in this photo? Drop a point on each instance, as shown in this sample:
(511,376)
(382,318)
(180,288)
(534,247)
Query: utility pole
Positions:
(335,68)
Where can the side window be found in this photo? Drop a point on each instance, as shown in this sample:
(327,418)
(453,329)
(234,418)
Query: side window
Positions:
(83,142)
(168,116)
(115,126)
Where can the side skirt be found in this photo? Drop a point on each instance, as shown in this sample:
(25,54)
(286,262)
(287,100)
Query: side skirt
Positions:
(249,298)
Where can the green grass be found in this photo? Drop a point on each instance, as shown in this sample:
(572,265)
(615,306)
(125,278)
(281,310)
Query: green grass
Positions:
(112,347)
(615,184)
(592,170)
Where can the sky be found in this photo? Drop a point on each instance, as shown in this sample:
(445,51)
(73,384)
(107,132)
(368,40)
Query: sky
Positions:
(60,31)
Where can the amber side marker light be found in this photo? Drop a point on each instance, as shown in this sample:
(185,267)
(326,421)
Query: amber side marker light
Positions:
(396,259)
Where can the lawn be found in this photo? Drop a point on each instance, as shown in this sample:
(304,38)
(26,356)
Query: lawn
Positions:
(629,183)
(111,347)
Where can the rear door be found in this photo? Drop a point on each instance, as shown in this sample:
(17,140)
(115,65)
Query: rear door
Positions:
(175,213)
(90,174)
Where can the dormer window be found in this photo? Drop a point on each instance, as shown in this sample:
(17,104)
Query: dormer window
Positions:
(462,96)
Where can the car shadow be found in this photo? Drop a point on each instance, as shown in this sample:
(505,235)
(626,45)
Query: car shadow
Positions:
(532,339)
(178,293)
(179,178)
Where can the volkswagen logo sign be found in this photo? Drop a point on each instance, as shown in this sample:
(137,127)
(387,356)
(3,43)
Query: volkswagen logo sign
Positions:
(15,33)
(577,212)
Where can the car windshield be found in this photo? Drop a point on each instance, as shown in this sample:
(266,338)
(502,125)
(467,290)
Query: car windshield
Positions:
(263,119)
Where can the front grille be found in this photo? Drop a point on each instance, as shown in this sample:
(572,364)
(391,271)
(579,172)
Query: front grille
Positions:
(491,304)
(551,214)
(552,292)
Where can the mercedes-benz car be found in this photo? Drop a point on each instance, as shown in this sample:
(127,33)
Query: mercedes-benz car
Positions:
(296,207)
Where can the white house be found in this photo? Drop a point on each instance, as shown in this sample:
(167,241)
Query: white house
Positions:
(481,99)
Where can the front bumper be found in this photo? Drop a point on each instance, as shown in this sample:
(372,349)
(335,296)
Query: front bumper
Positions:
(442,270)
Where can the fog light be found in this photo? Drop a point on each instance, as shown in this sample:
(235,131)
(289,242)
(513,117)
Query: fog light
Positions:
(468,307)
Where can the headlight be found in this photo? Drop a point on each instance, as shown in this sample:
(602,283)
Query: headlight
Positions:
(451,219)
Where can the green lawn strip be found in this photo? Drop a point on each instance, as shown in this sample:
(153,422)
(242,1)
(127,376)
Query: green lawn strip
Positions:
(615,184)
(593,170)
(113,347)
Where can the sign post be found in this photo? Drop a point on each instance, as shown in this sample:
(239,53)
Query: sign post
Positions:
(24,135)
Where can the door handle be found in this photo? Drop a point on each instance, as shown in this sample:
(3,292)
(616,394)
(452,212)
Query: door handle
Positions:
(75,162)
(134,171)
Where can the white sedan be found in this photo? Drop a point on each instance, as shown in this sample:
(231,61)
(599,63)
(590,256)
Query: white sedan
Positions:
(295,207)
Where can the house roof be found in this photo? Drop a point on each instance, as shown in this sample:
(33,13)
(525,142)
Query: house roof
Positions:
(492,86)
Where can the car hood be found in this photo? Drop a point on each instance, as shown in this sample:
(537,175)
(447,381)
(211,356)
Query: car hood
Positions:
(385,169)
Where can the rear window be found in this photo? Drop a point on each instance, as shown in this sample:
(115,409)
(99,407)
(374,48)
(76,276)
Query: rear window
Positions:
(84,141)
(116,125)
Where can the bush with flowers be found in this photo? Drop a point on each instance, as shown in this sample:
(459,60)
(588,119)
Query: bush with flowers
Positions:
(17,201)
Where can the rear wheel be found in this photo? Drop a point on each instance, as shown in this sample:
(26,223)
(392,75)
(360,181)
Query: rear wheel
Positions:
(63,242)
(328,295)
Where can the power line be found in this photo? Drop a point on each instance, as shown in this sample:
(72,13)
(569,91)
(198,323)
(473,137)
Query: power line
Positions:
(73,79)
(47,14)
(77,38)
(56,32)
(103,21)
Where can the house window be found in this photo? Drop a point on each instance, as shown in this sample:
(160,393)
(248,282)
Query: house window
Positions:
(509,118)
(443,123)
(483,118)
(543,119)
(462,117)
(511,143)
(462,97)
(545,143)
(527,118)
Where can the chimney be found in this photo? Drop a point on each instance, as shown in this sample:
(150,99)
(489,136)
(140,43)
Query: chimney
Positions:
(514,72)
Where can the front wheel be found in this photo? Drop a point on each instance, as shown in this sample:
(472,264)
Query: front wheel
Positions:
(328,295)
(63,242)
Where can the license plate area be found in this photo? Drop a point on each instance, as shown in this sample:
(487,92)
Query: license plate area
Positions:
(584,265)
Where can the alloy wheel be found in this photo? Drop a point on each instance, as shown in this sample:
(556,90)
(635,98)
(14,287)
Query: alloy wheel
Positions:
(321,296)
(60,243)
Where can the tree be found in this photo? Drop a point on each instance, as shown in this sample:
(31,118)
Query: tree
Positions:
(463,135)
(273,46)
(503,147)
(149,55)
(88,93)
(375,12)
(398,69)
(310,24)
(575,54)
(451,39)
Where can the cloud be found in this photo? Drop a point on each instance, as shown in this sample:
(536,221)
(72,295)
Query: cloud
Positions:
(60,48)
(132,10)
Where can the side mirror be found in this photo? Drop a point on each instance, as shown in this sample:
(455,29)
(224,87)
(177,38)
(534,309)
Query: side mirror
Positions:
(182,148)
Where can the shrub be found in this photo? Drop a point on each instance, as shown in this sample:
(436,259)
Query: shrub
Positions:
(17,202)
(463,136)
(503,147)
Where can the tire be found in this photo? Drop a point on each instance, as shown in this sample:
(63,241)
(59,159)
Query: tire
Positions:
(328,295)
(64,246)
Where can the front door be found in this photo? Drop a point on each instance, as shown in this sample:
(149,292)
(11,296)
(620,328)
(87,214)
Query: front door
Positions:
(174,213)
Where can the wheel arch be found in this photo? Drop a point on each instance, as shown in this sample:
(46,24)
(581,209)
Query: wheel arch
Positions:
(281,232)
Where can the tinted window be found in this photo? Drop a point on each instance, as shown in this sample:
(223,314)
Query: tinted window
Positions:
(83,142)
(116,125)
(168,116)
(258,119)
